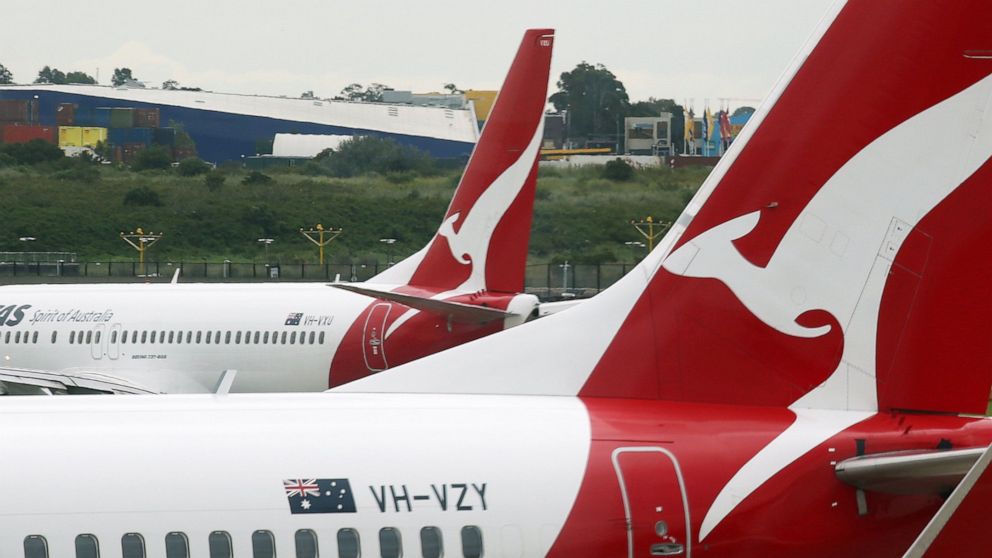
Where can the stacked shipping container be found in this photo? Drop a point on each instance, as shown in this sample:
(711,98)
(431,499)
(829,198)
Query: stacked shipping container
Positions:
(19,122)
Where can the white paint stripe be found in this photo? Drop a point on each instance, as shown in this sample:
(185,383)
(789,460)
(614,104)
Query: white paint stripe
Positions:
(811,428)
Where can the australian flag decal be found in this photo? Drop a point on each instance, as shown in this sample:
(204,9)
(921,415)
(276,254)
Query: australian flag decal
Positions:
(319,496)
(294,319)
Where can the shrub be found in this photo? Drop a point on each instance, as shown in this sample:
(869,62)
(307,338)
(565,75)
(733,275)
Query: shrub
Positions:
(371,154)
(255,177)
(618,170)
(214,180)
(193,167)
(142,195)
(33,152)
(151,159)
(80,172)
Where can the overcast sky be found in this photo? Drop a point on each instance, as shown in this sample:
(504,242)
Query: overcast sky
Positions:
(684,49)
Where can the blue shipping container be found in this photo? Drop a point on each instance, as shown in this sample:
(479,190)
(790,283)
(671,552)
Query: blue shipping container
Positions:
(93,117)
(121,136)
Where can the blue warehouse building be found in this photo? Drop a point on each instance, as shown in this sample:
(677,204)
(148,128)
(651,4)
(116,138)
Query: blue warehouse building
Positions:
(229,127)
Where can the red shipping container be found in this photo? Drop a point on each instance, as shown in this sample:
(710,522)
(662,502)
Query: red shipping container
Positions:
(146,118)
(65,114)
(24,134)
(15,110)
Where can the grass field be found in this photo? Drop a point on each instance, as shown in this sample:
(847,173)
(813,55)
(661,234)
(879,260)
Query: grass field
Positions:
(579,216)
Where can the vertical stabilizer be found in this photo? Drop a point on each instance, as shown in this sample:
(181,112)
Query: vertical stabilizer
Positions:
(482,241)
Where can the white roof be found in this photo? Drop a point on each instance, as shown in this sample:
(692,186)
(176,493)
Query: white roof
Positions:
(433,122)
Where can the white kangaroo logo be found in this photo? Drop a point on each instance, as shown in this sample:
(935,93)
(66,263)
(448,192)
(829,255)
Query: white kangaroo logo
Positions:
(836,256)
(470,245)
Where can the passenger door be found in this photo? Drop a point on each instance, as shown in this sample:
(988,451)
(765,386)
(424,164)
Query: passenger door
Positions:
(655,502)
(114,343)
(98,341)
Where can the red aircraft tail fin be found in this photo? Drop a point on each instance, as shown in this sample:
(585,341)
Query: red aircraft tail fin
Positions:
(482,241)
(834,259)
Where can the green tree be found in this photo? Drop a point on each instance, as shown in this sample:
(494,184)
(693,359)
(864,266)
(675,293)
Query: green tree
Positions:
(742,111)
(594,99)
(5,76)
(155,157)
(192,167)
(370,94)
(121,76)
(170,84)
(453,89)
(142,196)
(50,75)
(80,77)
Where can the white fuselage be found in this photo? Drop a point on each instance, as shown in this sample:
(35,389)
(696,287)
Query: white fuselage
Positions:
(156,335)
(197,464)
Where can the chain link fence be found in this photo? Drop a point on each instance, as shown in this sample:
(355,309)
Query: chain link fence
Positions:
(548,281)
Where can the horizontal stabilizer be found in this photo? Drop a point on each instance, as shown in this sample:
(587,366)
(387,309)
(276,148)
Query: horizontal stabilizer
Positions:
(459,312)
(65,382)
(909,472)
(960,528)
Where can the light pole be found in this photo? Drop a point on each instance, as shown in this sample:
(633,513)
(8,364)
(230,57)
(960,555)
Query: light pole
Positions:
(389,249)
(647,229)
(266,242)
(634,245)
(321,237)
(141,241)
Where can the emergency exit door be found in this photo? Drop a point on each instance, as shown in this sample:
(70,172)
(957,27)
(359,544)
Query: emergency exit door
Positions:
(374,338)
(654,501)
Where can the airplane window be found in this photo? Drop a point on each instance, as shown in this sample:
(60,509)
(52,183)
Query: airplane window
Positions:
(348,544)
(313,334)
(134,337)
(263,545)
(124,336)
(34,337)
(144,336)
(199,335)
(256,338)
(176,545)
(35,546)
(172,336)
(151,338)
(220,544)
(321,338)
(97,337)
(89,337)
(283,338)
(72,337)
(227,337)
(209,335)
(113,336)
(17,338)
(189,337)
(161,337)
(431,545)
(87,547)
(306,540)
(179,337)
(389,543)
(55,336)
(471,542)
(292,338)
(133,546)
(217,337)
(265,338)
(237,338)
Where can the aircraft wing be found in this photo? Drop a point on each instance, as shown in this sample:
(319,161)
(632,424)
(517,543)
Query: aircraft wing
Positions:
(960,527)
(21,380)
(458,311)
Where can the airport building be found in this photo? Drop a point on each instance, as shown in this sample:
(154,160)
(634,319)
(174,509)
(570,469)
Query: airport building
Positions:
(222,127)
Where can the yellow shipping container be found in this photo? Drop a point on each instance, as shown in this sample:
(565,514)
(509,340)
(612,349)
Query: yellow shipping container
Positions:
(70,136)
(93,135)
(483,101)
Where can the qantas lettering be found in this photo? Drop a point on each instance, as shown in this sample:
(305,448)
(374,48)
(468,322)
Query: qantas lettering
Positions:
(49,316)
(14,312)
(454,497)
